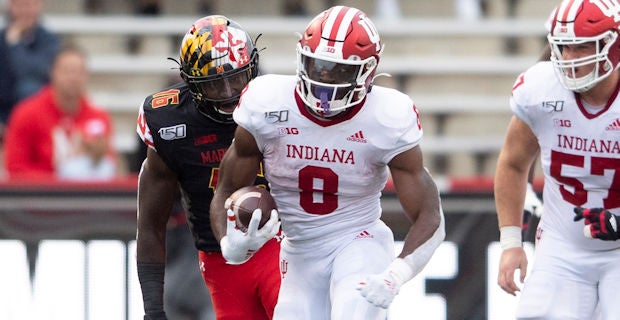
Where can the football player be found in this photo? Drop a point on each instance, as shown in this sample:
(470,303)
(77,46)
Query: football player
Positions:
(329,140)
(567,109)
(187,128)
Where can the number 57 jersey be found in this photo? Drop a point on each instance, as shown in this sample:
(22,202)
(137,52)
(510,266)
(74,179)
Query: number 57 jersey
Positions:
(326,176)
(580,152)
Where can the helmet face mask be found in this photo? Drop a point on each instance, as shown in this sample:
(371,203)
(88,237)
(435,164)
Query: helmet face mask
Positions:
(329,71)
(218,59)
(589,29)
(337,57)
(597,62)
(220,91)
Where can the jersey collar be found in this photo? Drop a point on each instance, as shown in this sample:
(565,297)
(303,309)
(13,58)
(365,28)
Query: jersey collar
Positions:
(347,114)
(607,105)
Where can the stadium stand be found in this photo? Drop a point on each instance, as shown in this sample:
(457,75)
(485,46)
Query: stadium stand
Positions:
(456,72)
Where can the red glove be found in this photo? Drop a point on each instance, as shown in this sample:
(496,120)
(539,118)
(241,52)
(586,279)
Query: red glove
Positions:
(600,223)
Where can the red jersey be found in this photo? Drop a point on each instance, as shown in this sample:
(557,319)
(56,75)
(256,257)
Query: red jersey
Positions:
(39,135)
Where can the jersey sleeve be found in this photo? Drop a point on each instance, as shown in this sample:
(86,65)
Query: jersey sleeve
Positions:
(527,99)
(399,123)
(250,114)
(143,130)
(518,98)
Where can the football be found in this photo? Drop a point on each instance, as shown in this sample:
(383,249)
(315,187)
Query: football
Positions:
(244,201)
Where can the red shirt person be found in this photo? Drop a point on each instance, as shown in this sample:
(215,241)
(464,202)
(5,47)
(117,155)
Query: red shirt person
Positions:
(44,130)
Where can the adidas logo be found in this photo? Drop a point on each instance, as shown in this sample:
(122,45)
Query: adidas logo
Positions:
(364,234)
(614,126)
(357,137)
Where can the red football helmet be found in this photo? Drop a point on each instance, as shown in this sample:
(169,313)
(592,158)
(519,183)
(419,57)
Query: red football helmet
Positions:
(337,57)
(578,22)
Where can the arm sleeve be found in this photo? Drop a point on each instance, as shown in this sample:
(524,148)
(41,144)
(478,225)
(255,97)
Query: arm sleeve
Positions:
(151,277)
(418,259)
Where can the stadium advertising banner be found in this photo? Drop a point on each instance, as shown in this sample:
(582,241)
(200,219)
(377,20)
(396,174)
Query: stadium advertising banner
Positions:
(69,253)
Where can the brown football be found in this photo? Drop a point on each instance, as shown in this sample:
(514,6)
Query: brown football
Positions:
(244,201)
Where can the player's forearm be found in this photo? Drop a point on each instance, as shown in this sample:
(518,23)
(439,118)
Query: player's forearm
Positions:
(509,205)
(235,172)
(217,214)
(155,201)
(151,277)
(151,245)
(509,192)
(423,238)
(151,259)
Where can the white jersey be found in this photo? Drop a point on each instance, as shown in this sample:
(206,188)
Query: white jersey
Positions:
(326,177)
(580,152)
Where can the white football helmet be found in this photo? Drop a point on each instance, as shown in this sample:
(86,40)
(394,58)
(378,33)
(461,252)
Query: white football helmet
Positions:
(337,57)
(579,22)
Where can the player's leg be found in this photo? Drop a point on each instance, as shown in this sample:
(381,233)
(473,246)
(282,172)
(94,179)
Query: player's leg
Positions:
(305,282)
(609,299)
(233,287)
(268,276)
(366,252)
(561,284)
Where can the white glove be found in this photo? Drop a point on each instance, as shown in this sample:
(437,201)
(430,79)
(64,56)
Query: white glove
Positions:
(532,202)
(238,246)
(380,289)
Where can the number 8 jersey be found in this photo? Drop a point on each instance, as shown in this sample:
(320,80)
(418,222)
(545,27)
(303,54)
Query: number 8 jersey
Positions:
(580,151)
(327,174)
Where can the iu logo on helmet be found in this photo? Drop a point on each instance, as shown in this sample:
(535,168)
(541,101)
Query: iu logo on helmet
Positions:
(371,30)
(610,8)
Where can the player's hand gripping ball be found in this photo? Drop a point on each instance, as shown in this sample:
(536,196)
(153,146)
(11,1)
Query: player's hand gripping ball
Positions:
(244,201)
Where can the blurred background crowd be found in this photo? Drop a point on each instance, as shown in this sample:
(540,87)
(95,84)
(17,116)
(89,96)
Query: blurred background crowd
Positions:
(456,58)
(73,74)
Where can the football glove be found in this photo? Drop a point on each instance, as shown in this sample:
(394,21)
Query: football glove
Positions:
(532,204)
(238,246)
(532,210)
(600,223)
(380,289)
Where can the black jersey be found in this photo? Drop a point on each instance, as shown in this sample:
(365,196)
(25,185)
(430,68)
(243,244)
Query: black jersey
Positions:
(192,146)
